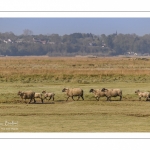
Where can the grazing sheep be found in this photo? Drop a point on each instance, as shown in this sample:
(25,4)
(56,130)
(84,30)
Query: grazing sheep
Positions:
(27,95)
(50,95)
(97,93)
(73,92)
(143,94)
(38,95)
(112,93)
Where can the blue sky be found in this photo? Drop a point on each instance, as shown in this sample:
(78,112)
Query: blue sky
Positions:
(61,26)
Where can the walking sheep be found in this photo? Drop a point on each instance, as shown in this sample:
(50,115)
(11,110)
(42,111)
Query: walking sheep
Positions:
(143,94)
(27,95)
(97,93)
(50,95)
(73,92)
(112,93)
(38,95)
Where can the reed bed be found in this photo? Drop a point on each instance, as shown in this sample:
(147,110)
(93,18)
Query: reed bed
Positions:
(22,67)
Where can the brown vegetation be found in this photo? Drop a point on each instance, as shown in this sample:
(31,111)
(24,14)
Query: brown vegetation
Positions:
(72,67)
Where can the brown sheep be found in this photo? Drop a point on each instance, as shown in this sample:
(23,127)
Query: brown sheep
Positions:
(27,95)
(73,92)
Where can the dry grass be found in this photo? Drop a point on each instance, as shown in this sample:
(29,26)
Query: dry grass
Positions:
(61,68)
(53,74)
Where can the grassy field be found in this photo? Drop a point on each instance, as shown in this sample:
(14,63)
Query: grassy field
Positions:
(53,74)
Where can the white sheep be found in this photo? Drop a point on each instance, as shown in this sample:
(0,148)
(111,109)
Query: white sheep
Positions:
(73,92)
(38,95)
(112,93)
(50,95)
(143,94)
(97,93)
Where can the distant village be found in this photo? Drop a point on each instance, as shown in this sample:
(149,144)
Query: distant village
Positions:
(22,40)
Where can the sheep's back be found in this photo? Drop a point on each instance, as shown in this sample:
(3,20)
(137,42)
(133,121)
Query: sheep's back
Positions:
(98,92)
(75,92)
(29,94)
(144,94)
(114,92)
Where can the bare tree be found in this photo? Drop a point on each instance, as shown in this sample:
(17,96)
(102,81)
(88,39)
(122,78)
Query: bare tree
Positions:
(27,32)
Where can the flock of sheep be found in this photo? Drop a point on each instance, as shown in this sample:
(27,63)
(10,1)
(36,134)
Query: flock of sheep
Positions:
(32,95)
(71,92)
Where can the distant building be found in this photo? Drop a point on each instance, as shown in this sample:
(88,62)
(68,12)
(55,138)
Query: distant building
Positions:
(19,41)
(5,41)
(36,40)
(9,40)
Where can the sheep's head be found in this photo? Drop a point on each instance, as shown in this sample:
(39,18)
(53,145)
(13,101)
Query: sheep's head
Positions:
(104,89)
(43,91)
(91,90)
(65,89)
(137,91)
(19,93)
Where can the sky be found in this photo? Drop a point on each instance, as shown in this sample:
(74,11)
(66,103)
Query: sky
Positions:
(68,25)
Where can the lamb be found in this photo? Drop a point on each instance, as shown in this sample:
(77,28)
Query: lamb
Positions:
(27,95)
(50,95)
(143,94)
(112,93)
(97,93)
(38,95)
(73,92)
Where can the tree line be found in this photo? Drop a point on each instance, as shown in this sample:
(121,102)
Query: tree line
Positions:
(73,44)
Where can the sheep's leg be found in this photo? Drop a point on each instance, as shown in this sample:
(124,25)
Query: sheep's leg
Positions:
(82,98)
(97,98)
(50,98)
(139,98)
(72,97)
(34,100)
(53,98)
(67,98)
(78,98)
(42,100)
(120,98)
(30,100)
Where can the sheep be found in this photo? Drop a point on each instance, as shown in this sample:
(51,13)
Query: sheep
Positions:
(97,93)
(27,95)
(143,94)
(112,93)
(73,92)
(38,95)
(50,95)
